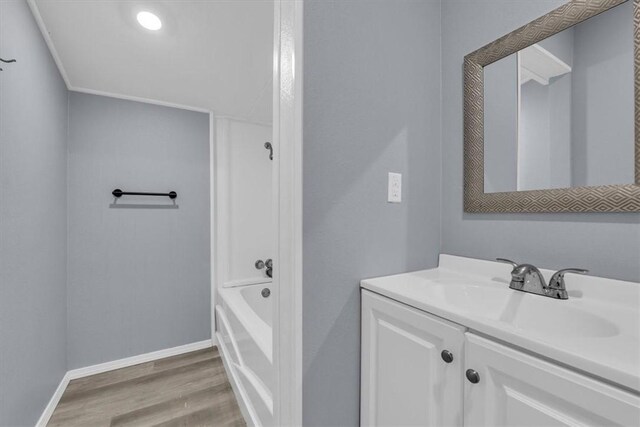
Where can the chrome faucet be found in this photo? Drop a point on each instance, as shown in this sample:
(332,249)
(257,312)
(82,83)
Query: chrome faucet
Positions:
(527,278)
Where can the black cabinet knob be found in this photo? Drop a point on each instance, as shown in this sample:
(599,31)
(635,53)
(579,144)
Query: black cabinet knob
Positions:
(447,356)
(473,376)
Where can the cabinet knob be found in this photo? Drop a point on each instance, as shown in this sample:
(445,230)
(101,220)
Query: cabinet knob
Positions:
(447,356)
(473,376)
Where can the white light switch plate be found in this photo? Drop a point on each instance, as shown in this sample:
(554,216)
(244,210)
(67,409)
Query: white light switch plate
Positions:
(395,188)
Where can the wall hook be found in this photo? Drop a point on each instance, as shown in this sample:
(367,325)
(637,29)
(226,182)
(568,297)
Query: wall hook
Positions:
(7,61)
(269,147)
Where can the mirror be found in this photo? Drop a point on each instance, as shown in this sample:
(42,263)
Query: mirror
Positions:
(560,113)
(550,114)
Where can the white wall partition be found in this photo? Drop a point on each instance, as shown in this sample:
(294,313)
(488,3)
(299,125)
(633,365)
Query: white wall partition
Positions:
(244,186)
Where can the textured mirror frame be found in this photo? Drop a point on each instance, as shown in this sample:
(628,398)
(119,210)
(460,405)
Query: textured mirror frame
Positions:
(608,198)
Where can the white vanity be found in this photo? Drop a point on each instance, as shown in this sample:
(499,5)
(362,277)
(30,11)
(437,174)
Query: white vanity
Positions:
(455,346)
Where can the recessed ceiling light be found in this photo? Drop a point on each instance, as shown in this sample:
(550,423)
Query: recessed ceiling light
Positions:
(149,21)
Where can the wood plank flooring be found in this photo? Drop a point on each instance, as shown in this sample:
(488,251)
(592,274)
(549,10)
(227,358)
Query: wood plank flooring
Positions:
(191,389)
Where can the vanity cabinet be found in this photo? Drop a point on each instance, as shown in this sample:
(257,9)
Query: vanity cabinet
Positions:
(518,389)
(405,380)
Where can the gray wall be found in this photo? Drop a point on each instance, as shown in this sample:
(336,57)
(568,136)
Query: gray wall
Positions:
(528,149)
(560,103)
(603,113)
(561,45)
(139,276)
(607,244)
(501,125)
(371,106)
(534,137)
(33,219)
(544,135)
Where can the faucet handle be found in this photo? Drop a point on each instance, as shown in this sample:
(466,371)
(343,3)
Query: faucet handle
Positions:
(507,261)
(557,280)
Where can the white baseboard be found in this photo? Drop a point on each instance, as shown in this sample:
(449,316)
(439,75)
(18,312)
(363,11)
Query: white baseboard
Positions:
(110,366)
(136,360)
(48,410)
(249,414)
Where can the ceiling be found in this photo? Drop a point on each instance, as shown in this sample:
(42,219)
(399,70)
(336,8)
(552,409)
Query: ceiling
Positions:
(213,55)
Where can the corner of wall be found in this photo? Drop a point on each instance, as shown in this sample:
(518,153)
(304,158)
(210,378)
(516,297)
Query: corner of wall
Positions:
(441,136)
(66,200)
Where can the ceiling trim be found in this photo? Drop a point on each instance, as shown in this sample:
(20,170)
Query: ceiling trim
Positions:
(139,99)
(47,38)
(56,57)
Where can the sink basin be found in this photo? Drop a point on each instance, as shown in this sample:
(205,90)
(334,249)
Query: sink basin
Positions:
(557,318)
(528,313)
(531,313)
(479,300)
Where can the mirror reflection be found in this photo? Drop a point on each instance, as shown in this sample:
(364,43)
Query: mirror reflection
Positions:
(560,113)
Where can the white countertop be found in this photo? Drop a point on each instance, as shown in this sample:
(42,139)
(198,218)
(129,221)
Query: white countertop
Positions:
(597,330)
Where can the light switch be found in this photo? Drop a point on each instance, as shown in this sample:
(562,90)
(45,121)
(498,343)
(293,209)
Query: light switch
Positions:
(395,188)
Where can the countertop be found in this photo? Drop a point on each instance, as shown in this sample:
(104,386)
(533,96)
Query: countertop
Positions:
(596,331)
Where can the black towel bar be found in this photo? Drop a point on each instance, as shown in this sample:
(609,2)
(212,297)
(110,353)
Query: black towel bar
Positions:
(119,193)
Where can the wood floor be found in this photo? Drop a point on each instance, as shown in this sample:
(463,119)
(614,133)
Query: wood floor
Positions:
(186,390)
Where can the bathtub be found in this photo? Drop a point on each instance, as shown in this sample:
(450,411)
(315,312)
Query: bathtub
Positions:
(245,339)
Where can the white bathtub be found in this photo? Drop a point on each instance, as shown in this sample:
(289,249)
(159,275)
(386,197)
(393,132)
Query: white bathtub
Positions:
(245,339)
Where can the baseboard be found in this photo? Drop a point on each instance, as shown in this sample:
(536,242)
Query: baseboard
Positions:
(136,360)
(53,402)
(250,417)
(110,366)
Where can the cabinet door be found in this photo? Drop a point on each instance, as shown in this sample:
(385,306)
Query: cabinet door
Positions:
(517,389)
(405,381)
